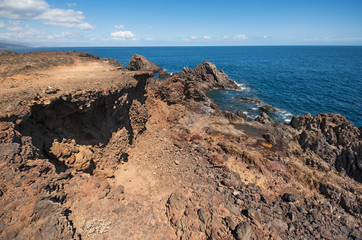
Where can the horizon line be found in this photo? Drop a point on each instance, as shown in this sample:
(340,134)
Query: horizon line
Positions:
(264,45)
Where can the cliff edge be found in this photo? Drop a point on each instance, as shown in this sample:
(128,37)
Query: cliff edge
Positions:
(90,149)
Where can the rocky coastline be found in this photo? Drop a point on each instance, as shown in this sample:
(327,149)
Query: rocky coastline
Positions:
(90,149)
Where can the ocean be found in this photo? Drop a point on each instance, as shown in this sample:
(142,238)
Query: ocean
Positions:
(294,79)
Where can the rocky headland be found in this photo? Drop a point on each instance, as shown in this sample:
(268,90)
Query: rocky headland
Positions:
(90,149)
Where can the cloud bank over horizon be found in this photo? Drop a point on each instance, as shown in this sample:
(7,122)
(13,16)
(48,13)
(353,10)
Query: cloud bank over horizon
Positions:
(160,23)
(41,11)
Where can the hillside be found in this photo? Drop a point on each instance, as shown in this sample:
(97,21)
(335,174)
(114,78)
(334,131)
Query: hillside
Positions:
(90,149)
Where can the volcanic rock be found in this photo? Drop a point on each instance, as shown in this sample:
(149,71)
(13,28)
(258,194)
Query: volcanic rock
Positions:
(140,63)
(334,139)
(246,99)
(288,197)
(243,231)
(119,154)
(267,109)
(264,118)
(207,77)
(114,62)
(243,115)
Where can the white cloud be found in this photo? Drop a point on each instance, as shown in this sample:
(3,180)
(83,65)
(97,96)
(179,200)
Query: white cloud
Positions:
(22,9)
(241,37)
(225,37)
(265,36)
(119,26)
(15,28)
(123,35)
(64,18)
(61,35)
(25,33)
(149,39)
(207,37)
(40,10)
(14,23)
(71,4)
(2,24)
(193,37)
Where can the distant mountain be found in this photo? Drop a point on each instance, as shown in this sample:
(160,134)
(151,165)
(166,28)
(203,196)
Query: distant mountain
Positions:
(9,46)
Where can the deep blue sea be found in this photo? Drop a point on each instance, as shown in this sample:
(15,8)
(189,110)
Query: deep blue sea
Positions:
(294,79)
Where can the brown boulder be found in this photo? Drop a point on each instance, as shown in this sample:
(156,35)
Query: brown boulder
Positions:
(140,63)
(74,156)
(243,231)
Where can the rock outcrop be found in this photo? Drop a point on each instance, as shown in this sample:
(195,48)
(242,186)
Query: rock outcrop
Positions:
(140,63)
(246,99)
(206,76)
(334,139)
(192,84)
(267,109)
(90,150)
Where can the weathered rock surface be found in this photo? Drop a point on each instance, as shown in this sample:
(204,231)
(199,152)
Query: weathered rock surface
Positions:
(243,115)
(206,76)
(246,99)
(74,156)
(243,231)
(267,109)
(334,139)
(139,62)
(116,154)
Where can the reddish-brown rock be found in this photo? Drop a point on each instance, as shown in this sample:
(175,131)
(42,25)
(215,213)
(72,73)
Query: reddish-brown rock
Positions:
(116,154)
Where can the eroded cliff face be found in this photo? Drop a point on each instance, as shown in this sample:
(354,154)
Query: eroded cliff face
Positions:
(90,150)
(56,135)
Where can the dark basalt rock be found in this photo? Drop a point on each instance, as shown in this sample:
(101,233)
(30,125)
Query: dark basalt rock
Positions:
(287,197)
(164,75)
(264,118)
(246,99)
(243,115)
(114,62)
(270,138)
(268,109)
(334,139)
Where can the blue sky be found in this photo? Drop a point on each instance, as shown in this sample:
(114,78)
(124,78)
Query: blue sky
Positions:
(181,23)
